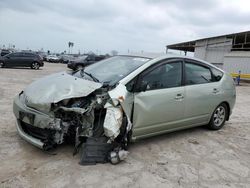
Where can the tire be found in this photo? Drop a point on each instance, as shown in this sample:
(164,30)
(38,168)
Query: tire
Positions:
(219,117)
(1,64)
(35,65)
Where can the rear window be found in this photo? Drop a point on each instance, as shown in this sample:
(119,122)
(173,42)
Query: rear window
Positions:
(197,74)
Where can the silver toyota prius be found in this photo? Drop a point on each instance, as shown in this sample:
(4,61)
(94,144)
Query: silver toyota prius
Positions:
(121,99)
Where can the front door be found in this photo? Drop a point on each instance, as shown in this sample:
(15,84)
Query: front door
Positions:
(11,60)
(161,106)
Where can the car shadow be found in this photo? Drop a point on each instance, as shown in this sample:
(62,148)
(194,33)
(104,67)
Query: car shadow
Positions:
(22,68)
(69,148)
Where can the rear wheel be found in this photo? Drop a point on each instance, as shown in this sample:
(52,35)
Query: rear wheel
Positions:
(218,118)
(1,64)
(35,65)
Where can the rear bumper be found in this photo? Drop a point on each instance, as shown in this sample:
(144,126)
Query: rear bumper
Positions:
(41,64)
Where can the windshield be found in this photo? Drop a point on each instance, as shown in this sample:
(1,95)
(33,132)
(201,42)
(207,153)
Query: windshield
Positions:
(113,69)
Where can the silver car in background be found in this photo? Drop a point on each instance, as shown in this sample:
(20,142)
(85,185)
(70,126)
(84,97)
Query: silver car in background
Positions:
(122,99)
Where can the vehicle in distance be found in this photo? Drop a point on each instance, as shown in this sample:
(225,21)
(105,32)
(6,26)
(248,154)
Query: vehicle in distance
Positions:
(52,59)
(21,59)
(65,58)
(83,61)
(122,99)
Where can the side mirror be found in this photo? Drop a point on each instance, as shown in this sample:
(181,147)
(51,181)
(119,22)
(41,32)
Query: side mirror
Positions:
(7,56)
(142,87)
(217,78)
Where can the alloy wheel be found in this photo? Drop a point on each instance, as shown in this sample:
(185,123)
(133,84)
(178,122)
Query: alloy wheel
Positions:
(35,65)
(219,116)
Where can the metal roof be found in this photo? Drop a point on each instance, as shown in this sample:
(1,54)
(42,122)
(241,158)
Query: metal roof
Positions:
(190,45)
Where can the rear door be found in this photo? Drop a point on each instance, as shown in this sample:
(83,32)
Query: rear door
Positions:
(161,106)
(21,59)
(201,92)
(27,59)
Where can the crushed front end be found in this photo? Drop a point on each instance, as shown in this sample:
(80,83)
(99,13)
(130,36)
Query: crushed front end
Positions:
(95,121)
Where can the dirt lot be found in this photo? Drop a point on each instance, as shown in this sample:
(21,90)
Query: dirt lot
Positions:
(190,158)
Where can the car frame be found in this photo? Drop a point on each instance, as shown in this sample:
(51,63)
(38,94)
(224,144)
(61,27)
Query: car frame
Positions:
(134,109)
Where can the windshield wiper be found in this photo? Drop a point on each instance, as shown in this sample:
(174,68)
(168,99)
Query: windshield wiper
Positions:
(90,75)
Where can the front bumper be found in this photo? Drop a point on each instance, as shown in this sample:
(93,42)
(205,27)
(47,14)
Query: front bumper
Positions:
(35,127)
(34,141)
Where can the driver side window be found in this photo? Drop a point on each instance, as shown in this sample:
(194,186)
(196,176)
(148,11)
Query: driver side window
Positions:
(164,76)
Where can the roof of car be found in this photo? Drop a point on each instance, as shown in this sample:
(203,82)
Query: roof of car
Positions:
(160,56)
(145,55)
(157,55)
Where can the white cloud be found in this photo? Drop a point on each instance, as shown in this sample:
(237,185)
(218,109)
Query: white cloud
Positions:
(137,25)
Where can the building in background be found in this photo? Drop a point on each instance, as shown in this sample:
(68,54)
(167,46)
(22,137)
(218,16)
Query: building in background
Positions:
(230,52)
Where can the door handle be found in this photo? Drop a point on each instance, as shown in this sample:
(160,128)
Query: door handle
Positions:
(179,96)
(215,90)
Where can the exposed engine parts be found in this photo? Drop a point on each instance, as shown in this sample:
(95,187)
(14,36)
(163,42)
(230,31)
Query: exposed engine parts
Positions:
(96,125)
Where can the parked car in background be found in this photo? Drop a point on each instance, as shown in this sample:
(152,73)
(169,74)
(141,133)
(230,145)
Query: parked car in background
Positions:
(85,60)
(52,59)
(77,63)
(66,58)
(21,59)
(123,99)
(5,52)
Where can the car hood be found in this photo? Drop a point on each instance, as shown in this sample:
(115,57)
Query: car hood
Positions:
(56,87)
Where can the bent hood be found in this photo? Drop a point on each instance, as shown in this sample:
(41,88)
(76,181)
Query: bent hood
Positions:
(56,87)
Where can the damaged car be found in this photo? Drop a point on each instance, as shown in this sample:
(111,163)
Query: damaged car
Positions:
(107,105)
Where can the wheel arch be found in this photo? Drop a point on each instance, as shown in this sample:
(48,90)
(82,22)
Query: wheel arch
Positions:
(34,62)
(228,109)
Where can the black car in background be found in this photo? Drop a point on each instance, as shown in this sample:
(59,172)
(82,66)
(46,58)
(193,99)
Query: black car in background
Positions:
(83,61)
(21,59)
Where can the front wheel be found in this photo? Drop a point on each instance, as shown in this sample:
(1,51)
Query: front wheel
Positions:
(35,65)
(1,64)
(218,118)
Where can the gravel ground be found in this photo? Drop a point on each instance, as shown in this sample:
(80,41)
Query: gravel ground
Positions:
(191,158)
